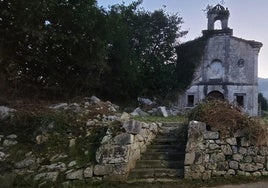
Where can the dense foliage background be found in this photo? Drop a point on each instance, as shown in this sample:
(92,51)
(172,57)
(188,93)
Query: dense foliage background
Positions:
(60,48)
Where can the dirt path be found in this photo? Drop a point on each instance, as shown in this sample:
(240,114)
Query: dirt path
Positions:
(249,185)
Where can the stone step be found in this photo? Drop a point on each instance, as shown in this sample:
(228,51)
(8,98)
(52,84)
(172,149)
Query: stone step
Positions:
(163,156)
(165,146)
(178,149)
(159,164)
(155,173)
(154,180)
(168,130)
(165,141)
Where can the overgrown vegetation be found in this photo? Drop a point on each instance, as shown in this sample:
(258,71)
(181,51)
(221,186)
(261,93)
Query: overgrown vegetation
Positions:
(57,128)
(228,119)
(189,57)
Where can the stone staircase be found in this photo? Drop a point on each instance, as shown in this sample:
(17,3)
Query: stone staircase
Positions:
(163,160)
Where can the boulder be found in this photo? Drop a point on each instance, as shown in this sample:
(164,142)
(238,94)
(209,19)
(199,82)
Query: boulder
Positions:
(139,112)
(75,175)
(26,163)
(59,166)
(6,112)
(231,141)
(125,116)
(51,176)
(8,143)
(162,111)
(145,101)
(2,156)
(12,136)
(60,106)
(94,99)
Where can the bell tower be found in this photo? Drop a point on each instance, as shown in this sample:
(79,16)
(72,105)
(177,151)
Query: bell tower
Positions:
(218,13)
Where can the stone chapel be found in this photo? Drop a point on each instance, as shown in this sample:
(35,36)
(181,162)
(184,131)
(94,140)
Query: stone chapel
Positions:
(228,68)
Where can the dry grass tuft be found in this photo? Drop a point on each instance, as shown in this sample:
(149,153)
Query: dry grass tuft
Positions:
(228,119)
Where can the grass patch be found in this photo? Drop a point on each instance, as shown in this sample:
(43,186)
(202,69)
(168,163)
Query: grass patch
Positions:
(161,119)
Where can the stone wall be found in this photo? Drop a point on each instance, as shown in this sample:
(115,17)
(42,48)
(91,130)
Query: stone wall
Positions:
(117,155)
(208,155)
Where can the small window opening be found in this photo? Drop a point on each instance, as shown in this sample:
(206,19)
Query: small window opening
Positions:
(190,100)
(240,100)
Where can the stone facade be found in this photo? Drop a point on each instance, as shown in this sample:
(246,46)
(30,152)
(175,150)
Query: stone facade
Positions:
(208,155)
(227,69)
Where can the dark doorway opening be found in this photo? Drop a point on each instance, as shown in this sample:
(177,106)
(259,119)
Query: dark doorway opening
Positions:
(215,95)
(240,100)
(190,100)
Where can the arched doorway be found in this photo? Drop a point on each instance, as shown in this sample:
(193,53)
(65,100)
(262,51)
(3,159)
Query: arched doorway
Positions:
(215,95)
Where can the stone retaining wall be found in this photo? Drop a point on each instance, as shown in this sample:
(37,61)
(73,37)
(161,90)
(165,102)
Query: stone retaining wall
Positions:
(208,155)
(118,155)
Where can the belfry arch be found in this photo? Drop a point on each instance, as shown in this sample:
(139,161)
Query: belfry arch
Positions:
(218,13)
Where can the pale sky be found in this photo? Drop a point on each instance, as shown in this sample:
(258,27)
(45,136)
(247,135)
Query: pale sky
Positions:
(248,19)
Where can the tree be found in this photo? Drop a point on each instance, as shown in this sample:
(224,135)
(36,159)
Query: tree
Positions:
(141,51)
(263,102)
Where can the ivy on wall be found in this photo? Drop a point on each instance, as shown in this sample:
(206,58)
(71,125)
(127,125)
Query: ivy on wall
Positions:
(189,57)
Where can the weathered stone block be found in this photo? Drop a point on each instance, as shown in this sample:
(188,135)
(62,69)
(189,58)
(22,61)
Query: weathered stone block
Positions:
(222,166)
(260,166)
(121,168)
(226,149)
(211,166)
(233,165)
(231,141)
(230,172)
(217,157)
(88,172)
(189,158)
(218,173)
(25,163)
(213,146)
(124,139)
(59,166)
(247,159)
(237,157)
(138,138)
(51,176)
(206,175)
(242,150)
(197,168)
(110,154)
(100,170)
(256,174)
(252,150)
(259,159)
(244,142)
(75,175)
(235,149)
(132,126)
(263,150)
(8,143)
(248,167)
(209,135)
